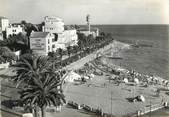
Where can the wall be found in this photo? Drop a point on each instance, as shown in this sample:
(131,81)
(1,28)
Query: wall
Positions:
(13,30)
(53,25)
(4,23)
(38,45)
(71,37)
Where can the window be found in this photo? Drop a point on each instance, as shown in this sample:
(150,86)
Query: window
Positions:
(53,39)
(13,30)
(56,36)
(48,41)
(53,46)
(48,48)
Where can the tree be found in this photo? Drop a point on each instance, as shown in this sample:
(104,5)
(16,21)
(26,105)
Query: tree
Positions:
(60,51)
(82,40)
(41,84)
(29,27)
(16,42)
(40,26)
(75,49)
(6,54)
(44,90)
(29,66)
(69,51)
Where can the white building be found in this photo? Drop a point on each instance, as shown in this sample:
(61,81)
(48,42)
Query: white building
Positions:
(13,29)
(70,37)
(86,32)
(41,42)
(65,38)
(4,23)
(44,42)
(53,24)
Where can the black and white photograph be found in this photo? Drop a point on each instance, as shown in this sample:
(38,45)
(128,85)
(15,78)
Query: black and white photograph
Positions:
(84,58)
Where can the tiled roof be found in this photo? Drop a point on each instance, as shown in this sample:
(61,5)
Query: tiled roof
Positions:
(39,34)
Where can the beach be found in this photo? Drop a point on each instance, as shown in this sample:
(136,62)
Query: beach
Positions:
(97,92)
(153,59)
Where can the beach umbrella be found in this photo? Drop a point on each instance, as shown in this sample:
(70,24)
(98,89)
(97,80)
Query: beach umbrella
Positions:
(92,75)
(141,98)
(136,80)
(125,80)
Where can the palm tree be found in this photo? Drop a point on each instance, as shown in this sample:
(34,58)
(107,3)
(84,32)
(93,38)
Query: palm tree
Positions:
(44,90)
(41,84)
(60,51)
(69,50)
(29,66)
(16,42)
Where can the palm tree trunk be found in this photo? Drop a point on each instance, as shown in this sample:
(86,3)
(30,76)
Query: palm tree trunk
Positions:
(43,110)
(36,111)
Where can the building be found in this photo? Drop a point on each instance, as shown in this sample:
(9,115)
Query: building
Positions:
(86,32)
(1,34)
(13,29)
(53,24)
(4,23)
(56,26)
(71,37)
(42,43)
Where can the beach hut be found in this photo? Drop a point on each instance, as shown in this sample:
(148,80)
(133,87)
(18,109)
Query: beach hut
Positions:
(71,76)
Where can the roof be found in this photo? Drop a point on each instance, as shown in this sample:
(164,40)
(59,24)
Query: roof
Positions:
(53,18)
(39,34)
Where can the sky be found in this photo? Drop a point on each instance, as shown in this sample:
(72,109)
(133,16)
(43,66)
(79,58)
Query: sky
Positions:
(75,11)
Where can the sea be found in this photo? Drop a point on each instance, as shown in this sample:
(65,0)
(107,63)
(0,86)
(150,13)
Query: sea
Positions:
(152,59)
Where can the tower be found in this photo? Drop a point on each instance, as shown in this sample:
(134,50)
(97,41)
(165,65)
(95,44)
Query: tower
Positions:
(88,21)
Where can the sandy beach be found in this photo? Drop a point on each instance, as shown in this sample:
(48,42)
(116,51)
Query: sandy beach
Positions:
(97,92)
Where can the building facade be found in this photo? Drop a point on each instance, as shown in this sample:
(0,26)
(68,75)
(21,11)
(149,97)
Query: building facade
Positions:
(65,38)
(13,29)
(42,43)
(4,23)
(71,37)
(53,24)
(93,31)
(1,34)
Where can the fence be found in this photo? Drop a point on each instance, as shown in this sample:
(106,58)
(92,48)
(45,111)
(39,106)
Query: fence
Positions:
(150,108)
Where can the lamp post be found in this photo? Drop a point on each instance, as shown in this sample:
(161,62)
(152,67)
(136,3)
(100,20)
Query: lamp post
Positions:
(111,102)
(150,109)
